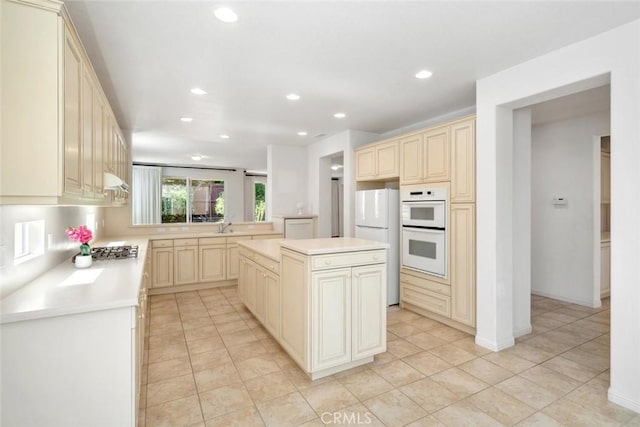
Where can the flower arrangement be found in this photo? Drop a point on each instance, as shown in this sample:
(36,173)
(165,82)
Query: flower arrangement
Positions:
(83,235)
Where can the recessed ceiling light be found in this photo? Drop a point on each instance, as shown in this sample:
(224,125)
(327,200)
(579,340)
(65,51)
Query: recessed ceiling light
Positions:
(424,74)
(339,115)
(302,133)
(196,158)
(198,91)
(293,97)
(225,15)
(224,136)
(336,167)
(186,119)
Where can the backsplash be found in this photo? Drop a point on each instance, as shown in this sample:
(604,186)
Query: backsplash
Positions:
(56,246)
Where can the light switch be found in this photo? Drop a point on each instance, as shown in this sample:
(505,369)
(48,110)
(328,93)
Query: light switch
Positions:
(560,202)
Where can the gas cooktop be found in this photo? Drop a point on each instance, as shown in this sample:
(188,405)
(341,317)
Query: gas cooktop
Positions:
(113,252)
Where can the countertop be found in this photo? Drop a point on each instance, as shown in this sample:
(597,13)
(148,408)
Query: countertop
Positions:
(269,247)
(331,245)
(67,290)
(295,216)
(162,236)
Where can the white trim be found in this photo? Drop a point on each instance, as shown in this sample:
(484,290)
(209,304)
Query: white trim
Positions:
(623,401)
(494,345)
(523,331)
(594,304)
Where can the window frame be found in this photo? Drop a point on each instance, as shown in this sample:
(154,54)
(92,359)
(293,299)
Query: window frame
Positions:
(189,198)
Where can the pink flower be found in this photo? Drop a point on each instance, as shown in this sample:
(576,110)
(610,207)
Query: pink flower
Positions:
(81,234)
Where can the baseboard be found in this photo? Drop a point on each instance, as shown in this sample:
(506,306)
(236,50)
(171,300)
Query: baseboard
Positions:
(565,299)
(623,401)
(606,294)
(523,331)
(495,345)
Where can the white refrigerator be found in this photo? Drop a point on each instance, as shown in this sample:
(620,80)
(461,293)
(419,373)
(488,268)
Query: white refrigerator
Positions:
(377,218)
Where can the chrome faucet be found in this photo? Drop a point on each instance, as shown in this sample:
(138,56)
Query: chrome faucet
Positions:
(223,227)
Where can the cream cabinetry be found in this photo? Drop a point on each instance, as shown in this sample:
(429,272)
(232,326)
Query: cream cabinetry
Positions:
(605,269)
(162,263)
(185,261)
(463,162)
(463,264)
(212,259)
(377,161)
(67,145)
(437,154)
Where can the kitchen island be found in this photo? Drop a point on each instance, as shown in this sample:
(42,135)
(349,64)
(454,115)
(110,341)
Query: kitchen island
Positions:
(323,300)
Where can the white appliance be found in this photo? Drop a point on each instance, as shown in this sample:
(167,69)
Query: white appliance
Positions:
(377,219)
(294,226)
(424,233)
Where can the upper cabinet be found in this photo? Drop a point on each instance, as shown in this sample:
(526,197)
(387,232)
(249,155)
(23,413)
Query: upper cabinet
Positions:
(463,161)
(377,161)
(59,136)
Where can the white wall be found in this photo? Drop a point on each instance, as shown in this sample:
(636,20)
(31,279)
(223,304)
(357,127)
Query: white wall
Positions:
(286,179)
(563,237)
(58,247)
(576,67)
(319,177)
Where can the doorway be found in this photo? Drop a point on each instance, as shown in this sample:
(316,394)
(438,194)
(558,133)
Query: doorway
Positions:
(337,196)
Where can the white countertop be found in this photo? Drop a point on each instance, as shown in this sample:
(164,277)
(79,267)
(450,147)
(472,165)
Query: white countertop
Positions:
(295,216)
(268,247)
(68,290)
(331,245)
(194,235)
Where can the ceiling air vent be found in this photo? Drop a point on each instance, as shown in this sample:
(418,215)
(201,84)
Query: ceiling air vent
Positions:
(320,135)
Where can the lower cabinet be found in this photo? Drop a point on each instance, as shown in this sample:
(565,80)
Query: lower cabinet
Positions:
(162,266)
(185,263)
(259,290)
(273,307)
(212,263)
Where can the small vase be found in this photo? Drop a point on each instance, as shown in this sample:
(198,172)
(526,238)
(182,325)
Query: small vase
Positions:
(83,261)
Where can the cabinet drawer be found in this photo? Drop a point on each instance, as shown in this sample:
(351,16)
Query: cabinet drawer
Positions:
(211,241)
(324,262)
(236,239)
(246,253)
(427,300)
(267,263)
(185,242)
(425,284)
(163,243)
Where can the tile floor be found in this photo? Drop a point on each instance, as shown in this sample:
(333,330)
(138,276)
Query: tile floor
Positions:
(209,363)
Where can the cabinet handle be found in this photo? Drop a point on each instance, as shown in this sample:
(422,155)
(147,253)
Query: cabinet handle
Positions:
(375,257)
(146,275)
(348,276)
(327,262)
(356,274)
(141,316)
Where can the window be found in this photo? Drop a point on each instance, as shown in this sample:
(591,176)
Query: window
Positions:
(192,200)
(28,241)
(259,201)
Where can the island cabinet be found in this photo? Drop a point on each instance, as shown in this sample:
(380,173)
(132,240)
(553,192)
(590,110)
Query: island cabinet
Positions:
(333,313)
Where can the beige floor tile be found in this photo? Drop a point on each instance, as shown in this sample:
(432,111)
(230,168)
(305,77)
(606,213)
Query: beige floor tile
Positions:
(634,422)
(200,322)
(468,344)
(452,354)
(394,408)
(567,412)
(429,394)
(301,380)
(260,332)
(391,336)
(170,351)
(220,375)
(192,313)
(530,352)
(171,389)
(403,329)
(544,324)
(397,373)
(237,338)
(424,323)
(161,341)
(543,343)
(486,371)
(285,411)
(328,397)
(220,309)
(269,386)
(447,333)
(539,419)
(528,392)
(246,417)
(355,415)
(464,414)
(571,312)
(220,319)
(256,367)
(554,315)
(603,328)
(427,363)
(571,369)
(165,328)
(246,351)
(401,348)
(550,379)
(500,406)
(595,348)
(595,398)
(365,384)
(160,319)
(587,334)
(142,418)
(459,382)
(205,345)
(202,361)
(223,400)
(180,412)
(201,333)
(271,345)
(587,359)
(428,421)
(407,316)
(509,361)
(561,336)
(382,358)
(426,341)
(168,369)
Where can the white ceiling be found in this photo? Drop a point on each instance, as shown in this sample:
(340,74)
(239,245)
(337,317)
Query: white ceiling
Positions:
(574,105)
(357,57)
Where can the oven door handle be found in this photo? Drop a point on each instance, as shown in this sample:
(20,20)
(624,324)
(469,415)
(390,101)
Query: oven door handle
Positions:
(418,227)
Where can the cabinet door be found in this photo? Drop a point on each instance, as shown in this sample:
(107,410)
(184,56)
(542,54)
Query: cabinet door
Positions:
(98,138)
(233,265)
(261,293)
(72,116)
(162,268)
(463,264)
(87,132)
(436,155)
(272,314)
(369,310)
(212,263)
(605,177)
(411,166)
(249,275)
(330,318)
(242,280)
(605,269)
(463,161)
(185,261)
(365,164)
(294,299)
(387,160)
